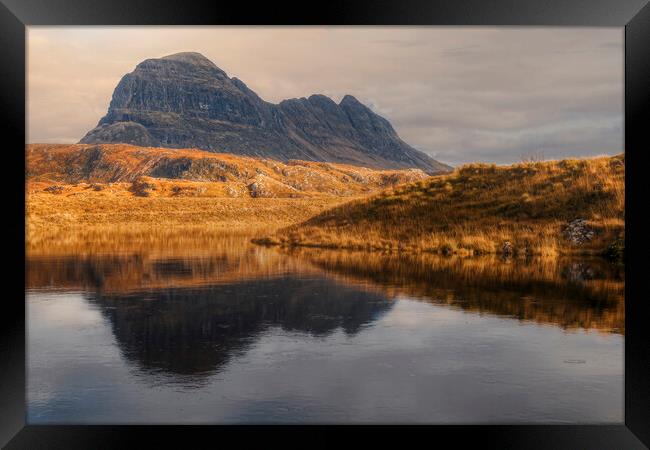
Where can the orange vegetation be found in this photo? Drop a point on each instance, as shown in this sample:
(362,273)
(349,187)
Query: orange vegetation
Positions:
(175,173)
(77,191)
(479,209)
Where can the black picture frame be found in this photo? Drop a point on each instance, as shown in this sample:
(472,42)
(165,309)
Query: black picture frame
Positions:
(633,15)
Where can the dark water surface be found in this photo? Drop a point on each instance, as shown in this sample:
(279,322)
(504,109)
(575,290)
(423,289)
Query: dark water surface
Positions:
(244,334)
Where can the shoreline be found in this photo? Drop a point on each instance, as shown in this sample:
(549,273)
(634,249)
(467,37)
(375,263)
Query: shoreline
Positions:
(395,249)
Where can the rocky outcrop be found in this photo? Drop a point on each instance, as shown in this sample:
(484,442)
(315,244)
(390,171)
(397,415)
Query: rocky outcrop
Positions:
(507,248)
(578,232)
(185,101)
(54,189)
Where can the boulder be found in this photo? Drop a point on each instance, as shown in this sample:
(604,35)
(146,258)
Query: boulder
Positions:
(577,232)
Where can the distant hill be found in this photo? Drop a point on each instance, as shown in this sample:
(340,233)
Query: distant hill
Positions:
(546,208)
(185,101)
(230,175)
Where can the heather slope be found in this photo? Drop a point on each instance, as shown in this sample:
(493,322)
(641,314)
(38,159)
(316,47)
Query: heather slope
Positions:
(527,208)
(217,175)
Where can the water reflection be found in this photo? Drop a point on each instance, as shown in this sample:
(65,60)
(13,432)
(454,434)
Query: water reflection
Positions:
(196,331)
(585,293)
(571,293)
(251,334)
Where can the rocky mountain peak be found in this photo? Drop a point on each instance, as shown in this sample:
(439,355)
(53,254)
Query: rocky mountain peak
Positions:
(185,64)
(185,101)
(349,100)
(190,58)
(320,99)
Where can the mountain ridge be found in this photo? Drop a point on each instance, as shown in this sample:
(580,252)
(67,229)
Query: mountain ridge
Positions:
(199,172)
(185,101)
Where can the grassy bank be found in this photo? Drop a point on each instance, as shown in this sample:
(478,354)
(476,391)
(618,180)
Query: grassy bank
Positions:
(99,219)
(481,209)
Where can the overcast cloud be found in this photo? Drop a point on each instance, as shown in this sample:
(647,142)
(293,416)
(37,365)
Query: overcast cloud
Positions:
(459,94)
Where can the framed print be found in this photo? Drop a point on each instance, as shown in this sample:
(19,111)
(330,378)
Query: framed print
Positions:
(406,217)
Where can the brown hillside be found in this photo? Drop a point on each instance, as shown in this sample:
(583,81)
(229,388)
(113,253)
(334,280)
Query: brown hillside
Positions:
(228,175)
(83,194)
(480,208)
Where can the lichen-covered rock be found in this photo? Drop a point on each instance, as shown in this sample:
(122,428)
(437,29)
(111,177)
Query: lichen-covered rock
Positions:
(263,186)
(54,189)
(185,101)
(507,248)
(141,188)
(578,232)
(233,192)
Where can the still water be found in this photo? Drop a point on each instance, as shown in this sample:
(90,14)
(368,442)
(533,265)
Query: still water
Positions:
(237,333)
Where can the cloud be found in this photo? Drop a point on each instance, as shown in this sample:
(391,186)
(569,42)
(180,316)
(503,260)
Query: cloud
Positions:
(458,93)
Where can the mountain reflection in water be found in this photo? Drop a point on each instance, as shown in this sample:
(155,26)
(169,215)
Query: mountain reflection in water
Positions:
(195,331)
(186,314)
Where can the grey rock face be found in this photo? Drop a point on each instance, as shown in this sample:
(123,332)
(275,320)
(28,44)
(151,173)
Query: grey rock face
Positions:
(578,232)
(185,101)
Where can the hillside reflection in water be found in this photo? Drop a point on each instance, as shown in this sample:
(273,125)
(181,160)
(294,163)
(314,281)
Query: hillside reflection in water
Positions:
(190,322)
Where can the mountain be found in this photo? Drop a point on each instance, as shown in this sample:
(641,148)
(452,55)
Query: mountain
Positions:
(185,101)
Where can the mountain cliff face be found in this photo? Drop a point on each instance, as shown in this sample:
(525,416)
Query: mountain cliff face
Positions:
(185,101)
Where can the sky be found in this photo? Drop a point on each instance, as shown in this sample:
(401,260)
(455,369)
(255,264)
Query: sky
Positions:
(459,94)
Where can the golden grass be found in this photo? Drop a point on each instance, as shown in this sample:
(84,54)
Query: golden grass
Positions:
(77,194)
(476,209)
(98,219)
